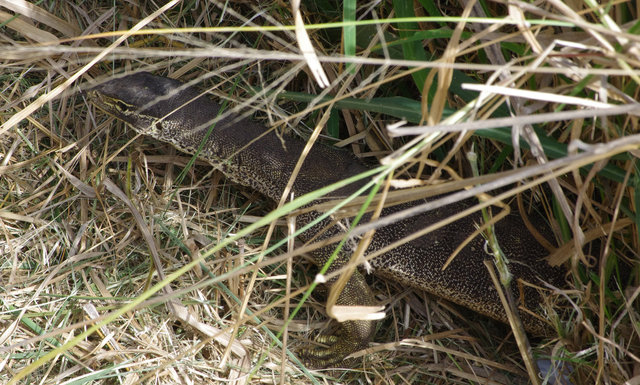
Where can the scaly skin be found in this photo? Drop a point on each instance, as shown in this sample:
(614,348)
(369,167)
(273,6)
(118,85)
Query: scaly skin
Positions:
(169,111)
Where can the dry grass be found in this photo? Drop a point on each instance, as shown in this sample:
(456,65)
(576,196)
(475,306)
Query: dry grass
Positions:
(86,206)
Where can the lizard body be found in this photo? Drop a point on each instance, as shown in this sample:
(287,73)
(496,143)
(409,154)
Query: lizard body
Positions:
(172,112)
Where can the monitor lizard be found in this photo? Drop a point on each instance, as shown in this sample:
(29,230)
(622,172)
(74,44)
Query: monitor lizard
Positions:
(172,112)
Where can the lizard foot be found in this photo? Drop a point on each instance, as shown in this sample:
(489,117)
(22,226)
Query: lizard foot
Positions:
(352,336)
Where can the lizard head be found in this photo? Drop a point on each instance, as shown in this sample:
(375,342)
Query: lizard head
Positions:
(150,104)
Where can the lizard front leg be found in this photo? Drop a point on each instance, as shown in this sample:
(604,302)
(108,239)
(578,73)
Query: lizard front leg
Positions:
(352,335)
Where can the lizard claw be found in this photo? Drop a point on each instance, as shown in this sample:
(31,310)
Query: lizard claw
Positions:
(333,354)
(352,336)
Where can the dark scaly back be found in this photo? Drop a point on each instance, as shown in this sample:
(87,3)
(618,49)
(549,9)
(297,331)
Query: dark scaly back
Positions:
(466,280)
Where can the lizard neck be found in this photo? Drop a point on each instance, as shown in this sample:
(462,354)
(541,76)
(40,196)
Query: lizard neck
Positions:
(252,156)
